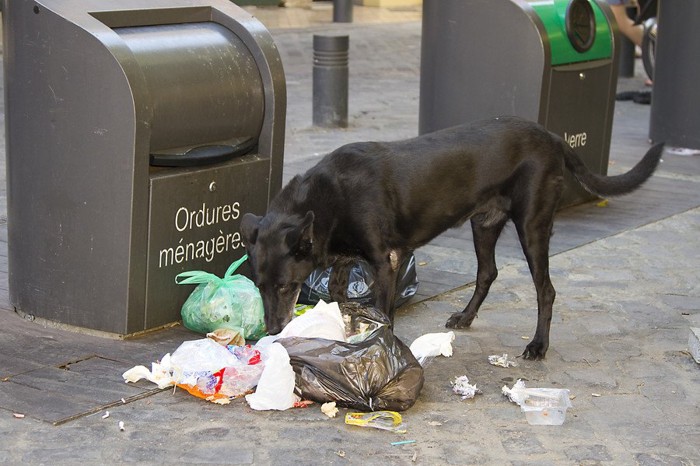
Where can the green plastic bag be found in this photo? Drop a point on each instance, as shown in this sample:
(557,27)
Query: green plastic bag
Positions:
(232,302)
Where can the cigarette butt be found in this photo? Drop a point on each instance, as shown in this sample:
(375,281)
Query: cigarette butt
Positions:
(121,426)
(105,415)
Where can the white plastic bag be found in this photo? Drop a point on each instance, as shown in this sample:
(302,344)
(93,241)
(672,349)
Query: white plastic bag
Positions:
(276,386)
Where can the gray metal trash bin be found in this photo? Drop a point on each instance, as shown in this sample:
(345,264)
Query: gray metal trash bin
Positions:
(138,133)
(551,61)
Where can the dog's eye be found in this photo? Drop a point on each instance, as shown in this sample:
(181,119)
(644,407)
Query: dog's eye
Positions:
(285,288)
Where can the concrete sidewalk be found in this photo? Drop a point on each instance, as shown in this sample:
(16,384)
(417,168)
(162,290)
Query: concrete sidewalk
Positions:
(627,279)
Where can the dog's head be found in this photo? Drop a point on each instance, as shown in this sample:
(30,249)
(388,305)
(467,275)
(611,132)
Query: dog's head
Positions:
(280,250)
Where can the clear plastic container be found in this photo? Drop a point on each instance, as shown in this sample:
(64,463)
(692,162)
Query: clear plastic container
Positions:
(546,406)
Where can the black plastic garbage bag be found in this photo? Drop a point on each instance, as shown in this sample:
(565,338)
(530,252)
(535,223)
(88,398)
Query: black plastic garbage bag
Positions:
(360,284)
(377,373)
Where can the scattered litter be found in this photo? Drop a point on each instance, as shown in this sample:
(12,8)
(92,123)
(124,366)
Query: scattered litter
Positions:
(430,345)
(403,442)
(121,426)
(300,309)
(105,415)
(340,453)
(596,395)
(218,401)
(329,409)
(303,404)
(525,337)
(227,336)
(422,263)
(603,203)
(159,374)
(205,369)
(435,423)
(502,361)
(18,415)
(542,406)
(682,151)
(515,394)
(123,401)
(462,387)
(385,420)
(694,343)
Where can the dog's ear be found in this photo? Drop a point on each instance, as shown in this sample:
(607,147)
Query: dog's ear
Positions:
(300,241)
(249,228)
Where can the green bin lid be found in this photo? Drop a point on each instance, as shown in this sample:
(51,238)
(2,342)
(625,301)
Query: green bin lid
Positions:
(584,39)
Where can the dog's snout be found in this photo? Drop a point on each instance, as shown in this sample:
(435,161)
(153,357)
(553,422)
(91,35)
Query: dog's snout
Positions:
(275,324)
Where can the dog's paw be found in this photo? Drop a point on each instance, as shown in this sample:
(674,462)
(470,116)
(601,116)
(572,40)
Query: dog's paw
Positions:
(534,351)
(459,320)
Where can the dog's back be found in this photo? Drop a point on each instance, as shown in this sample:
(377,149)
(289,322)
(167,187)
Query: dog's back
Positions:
(419,187)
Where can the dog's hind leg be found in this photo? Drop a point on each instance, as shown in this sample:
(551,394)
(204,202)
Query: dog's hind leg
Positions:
(486,235)
(534,234)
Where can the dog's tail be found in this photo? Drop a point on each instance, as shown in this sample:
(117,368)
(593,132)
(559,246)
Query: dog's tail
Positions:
(607,186)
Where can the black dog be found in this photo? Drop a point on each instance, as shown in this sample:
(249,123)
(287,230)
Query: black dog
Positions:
(380,201)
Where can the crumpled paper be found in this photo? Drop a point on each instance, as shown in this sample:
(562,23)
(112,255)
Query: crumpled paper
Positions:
(516,394)
(462,387)
(430,345)
(501,361)
(160,373)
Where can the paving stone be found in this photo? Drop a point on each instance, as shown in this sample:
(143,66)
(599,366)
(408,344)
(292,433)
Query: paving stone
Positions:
(517,442)
(647,459)
(583,453)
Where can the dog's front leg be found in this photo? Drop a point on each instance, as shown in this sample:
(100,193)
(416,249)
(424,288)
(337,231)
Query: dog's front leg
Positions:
(485,238)
(339,279)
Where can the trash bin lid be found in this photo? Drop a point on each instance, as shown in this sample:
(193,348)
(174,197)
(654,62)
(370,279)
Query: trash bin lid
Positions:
(577,30)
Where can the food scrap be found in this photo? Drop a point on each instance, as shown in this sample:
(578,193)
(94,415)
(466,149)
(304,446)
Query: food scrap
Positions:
(329,409)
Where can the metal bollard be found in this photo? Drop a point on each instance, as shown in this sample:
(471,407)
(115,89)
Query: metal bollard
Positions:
(626,66)
(674,113)
(330,81)
(627,50)
(342,11)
